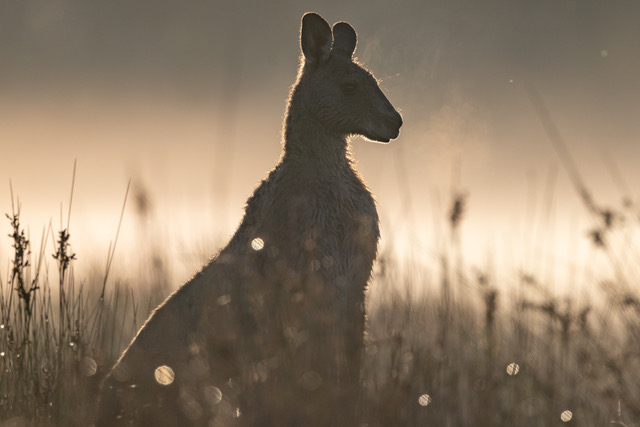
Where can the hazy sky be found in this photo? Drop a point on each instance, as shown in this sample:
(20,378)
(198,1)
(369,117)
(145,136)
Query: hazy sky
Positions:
(187,99)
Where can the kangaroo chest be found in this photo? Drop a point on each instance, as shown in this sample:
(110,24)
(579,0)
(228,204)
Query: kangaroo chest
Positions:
(307,219)
(334,227)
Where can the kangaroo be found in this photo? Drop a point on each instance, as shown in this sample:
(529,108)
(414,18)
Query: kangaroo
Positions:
(270,332)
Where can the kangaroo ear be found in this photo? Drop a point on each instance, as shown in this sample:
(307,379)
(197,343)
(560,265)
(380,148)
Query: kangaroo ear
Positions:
(315,38)
(344,39)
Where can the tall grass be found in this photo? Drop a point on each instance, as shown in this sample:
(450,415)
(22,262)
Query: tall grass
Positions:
(56,340)
(467,351)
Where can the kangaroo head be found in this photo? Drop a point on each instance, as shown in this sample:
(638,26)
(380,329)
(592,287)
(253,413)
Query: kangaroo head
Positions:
(336,90)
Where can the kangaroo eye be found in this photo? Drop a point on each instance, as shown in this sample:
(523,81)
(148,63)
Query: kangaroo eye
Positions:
(348,88)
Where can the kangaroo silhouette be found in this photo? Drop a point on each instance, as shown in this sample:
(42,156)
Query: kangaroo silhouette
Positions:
(270,332)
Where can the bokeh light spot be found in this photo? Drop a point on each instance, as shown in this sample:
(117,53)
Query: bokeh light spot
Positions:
(192,410)
(566,416)
(212,394)
(328,261)
(164,375)
(311,380)
(88,366)
(604,53)
(257,244)
(224,299)
(424,400)
(513,369)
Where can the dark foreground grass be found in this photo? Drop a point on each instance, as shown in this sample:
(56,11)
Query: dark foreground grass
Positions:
(465,352)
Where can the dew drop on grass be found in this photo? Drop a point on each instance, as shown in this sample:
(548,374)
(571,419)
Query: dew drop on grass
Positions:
(212,394)
(164,375)
(192,410)
(513,369)
(88,366)
(257,244)
(224,299)
(328,262)
(566,416)
(311,380)
(424,400)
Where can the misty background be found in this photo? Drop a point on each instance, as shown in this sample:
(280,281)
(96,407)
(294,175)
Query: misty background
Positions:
(186,99)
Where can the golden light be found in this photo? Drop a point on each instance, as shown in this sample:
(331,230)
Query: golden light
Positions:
(513,369)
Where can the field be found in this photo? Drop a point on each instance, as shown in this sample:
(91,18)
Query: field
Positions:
(450,347)
(506,290)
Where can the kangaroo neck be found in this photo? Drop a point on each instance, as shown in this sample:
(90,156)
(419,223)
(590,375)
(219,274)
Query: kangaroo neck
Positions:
(307,139)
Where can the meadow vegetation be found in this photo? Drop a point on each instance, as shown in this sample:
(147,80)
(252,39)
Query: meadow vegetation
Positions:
(465,352)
